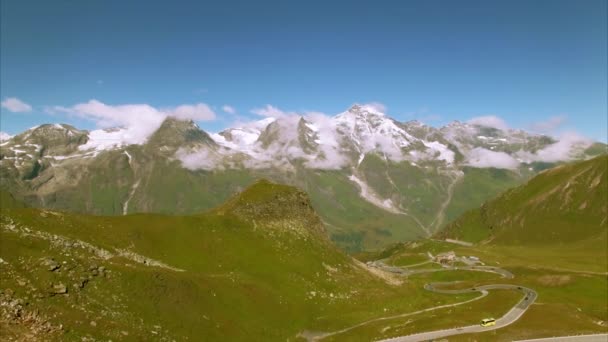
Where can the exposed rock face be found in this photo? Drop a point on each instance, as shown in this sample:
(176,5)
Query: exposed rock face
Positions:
(59,289)
(50,264)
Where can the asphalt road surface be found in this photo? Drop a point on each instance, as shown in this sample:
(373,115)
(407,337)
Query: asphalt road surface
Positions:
(510,317)
(529,296)
(580,338)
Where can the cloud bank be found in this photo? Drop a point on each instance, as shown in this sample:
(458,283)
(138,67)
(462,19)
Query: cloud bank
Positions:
(568,144)
(13,104)
(228,109)
(197,112)
(323,142)
(138,121)
(377,106)
(330,140)
(549,125)
(272,112)
(482,158)
(489,121)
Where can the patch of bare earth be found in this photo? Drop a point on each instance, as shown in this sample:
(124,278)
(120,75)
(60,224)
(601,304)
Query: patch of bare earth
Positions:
(554,280)
(389,278)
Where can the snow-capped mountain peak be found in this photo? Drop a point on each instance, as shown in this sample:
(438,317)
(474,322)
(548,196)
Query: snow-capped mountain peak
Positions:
(242,137)
(368,129)
(313,140)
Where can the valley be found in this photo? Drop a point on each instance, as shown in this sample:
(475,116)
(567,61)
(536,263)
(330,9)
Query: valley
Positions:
(261,265)
(303,171)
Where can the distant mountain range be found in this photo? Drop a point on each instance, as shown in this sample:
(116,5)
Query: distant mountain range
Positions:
(372,179)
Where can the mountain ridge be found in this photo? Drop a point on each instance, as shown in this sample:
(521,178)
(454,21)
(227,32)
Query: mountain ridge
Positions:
(374,180)
(369,130)
(544,210)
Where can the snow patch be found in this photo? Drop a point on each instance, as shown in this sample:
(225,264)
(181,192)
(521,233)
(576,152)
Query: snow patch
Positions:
(91,154)
(18,150)
(125,206)
(361,157)
(244,137)
(312,127)
(369,195)
(107,139)
(128,156)
(371,131)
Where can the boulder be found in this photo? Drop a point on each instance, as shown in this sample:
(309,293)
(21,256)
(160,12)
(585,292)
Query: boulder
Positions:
(59,289)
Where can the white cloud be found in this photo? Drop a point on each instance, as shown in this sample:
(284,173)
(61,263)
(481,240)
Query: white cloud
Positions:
(285,148)
(482,158)
(330,156)
(271,111)
(549,125)
(568,145)
(200,159)
(327,152)
(197,112)
(489,121)
(15,105)
(330,159)
(138,120)
(377,106)
(228,109)
(440,151)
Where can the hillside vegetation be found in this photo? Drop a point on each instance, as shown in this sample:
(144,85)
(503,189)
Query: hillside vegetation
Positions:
(258,267)
(373,180)
(551,233)
(563,205)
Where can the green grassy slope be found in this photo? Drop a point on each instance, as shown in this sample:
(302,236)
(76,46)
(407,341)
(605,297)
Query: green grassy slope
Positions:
(570,280)
(150,179)
(552,234)
(480,185)
(45,168)
(562,205)
(258,267)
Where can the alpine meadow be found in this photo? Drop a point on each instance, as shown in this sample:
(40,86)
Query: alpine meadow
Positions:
(304,171)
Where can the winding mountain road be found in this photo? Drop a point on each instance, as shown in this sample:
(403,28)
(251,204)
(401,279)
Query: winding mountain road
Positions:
(579,338)
(509,318)
(528,298)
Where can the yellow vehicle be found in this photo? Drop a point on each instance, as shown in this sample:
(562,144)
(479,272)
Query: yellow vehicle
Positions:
(488,322)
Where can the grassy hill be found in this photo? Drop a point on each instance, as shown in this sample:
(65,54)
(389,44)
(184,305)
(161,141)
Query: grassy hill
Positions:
(258,267)
(563,205)
(551,233)
(391,200)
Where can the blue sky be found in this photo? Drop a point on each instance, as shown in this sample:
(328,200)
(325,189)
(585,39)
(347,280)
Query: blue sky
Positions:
(527,62)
